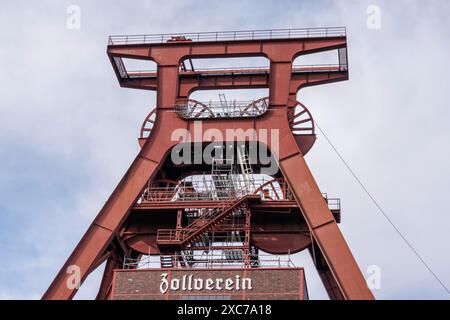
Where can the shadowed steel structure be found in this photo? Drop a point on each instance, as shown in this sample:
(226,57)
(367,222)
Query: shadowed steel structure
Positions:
(158,209)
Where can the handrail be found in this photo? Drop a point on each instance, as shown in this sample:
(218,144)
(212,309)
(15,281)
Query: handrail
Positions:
(297,33)
(187,233)
(242,70)
(199,190)
(210,261)
(121,67)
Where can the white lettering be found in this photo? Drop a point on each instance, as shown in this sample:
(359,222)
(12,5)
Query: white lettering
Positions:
(228,284)
(183,283)
(218,282)
(164,283)
(189,283)
(247,283)
(209,283)
(198,284)
(175,284)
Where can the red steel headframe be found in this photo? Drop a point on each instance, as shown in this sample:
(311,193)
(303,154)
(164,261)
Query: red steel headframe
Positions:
(334,260)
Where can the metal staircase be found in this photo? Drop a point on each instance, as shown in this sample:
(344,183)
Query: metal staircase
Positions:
(204,241)
(194,231)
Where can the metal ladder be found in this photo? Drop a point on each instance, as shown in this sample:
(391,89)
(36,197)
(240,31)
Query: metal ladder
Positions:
(224,104)
(246,169)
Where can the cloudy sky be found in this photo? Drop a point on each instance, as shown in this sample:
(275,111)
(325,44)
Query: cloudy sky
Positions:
(68,131)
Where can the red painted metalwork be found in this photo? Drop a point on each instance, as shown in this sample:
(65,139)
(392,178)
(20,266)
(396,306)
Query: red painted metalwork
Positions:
(156,210)
(147,126)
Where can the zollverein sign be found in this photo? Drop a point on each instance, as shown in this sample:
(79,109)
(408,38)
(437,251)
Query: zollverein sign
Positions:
(193,284)
(189,283)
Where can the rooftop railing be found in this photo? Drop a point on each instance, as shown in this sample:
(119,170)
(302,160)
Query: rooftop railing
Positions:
(206,190)
(228,36)
(240,70)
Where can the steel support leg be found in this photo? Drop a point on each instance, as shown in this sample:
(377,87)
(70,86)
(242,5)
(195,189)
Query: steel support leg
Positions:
(325,232)
(106,224)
